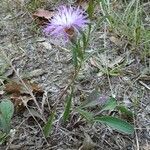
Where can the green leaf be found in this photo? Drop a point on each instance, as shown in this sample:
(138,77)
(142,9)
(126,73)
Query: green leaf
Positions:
(67,107)
(110,104)
(7,109)
(48,126)
(79,50)
(74,57)
(87,115)
(6,113)
(116,123)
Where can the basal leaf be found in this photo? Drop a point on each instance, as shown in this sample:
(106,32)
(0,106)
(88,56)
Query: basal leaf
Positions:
(6,109)
(6,113)
(116,123)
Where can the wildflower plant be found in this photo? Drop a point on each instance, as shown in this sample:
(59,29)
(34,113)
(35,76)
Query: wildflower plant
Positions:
(68,24)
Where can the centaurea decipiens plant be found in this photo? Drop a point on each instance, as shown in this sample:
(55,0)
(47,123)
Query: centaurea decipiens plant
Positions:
(68,24)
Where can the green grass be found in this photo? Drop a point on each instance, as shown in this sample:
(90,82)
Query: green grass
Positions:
(128,23)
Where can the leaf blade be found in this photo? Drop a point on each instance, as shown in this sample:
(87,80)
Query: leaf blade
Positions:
(6,113)
(116,123)
(68,106)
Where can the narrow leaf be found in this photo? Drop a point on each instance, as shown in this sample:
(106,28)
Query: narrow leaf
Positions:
(116,123)
(79,50)
(137,34)
(48,126)
(67,107)
(74,57)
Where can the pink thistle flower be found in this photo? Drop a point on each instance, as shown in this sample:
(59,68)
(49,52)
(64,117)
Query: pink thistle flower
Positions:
(66,22)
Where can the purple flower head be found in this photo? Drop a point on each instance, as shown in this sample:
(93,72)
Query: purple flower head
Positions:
(66,21)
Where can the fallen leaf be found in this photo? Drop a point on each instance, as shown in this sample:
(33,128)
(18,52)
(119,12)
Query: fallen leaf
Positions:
(35,88)
(145,77)
(20,95)
(8,73)
(43,16)
(41,13)
(32,113)
(146,147)
(1,93)
(20,101)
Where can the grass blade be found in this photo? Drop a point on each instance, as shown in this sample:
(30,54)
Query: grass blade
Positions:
(48,126)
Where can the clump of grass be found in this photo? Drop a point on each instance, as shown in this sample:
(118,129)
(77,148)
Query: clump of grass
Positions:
(127,22)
